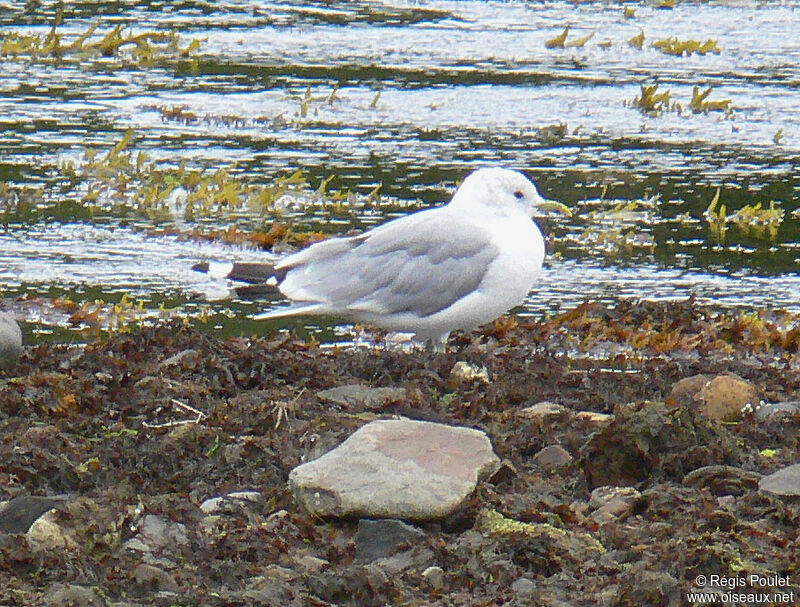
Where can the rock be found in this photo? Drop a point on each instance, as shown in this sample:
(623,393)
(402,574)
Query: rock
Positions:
(356,395)
(466,373)
(46,534)
(215,505)
(552,456)
(593,417)
(612,502)
(724,397)
(685,391)
(71,595)
(17,515)
(383,538)
(722,480)
(504,473)
(404,469)
(434,575)
(10,341)
(186,360)
(312,564)
(782,409)
(542,410)
(154,578)
(523,587)
(784,482)
(156,534)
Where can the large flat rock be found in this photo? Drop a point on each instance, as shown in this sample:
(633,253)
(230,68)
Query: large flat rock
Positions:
(10,341)
(402,469)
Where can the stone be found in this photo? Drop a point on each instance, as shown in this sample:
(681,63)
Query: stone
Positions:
(156,534)
(383,538)
(685,391)
(405,469)
(10,341)
(784,482)
(215,505)
(46,534)
(552,457)
(72,595)
(155,578)
(523,587)
(312,564)
(726,398)
(542,410)
(593,417)
(18,514)
(356,395)
(466,373)
(774,410)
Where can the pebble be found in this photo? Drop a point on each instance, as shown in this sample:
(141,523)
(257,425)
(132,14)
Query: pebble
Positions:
(782,409)
(466,373)
(71,595)
(523,587)
(552,457)
(357,395)
(10,341)
(215,505)
(542,410)
(377,539)
(403,469)
(784,482)
(593,417)
(155,534)
(155,578)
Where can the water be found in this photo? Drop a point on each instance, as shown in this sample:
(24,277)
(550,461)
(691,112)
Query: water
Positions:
(462,84)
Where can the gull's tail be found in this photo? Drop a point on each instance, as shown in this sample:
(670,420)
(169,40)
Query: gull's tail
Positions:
(293,310)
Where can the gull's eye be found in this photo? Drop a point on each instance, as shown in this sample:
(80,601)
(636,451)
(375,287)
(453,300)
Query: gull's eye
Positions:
(519,195)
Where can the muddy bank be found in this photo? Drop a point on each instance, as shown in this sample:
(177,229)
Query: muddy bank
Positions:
(137,431)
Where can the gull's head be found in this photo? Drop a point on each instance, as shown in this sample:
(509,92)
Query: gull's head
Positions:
(502,191)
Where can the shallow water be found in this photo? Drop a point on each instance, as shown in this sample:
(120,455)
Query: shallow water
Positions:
(461,85)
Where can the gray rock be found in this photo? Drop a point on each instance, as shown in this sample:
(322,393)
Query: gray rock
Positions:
(356,395)
(155,578)
(523,587)
(215,505)
(383,538)
(552,456)
(71,595)
(156,534)
(402,469)
(18,514)
(786,408)
(10,341)
(784,482)
(542,410)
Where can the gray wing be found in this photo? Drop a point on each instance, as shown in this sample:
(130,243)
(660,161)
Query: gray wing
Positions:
(419,264)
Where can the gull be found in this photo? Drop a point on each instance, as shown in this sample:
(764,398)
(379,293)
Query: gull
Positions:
(457,266)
